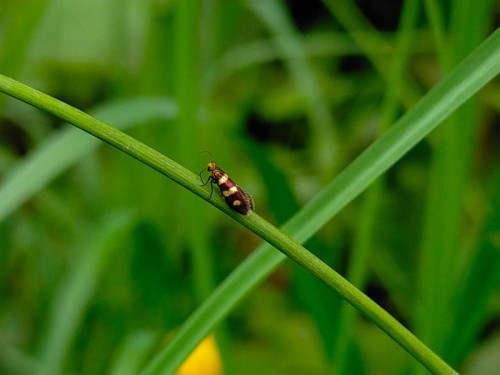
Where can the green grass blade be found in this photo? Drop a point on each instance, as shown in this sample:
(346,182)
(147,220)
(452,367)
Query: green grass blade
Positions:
(477,285)
(371,41)
(363,244)
(273,14)
(450,172)
(69,145)
(133,352)
(188,99)
(456,88)
(16,42)
(76,290)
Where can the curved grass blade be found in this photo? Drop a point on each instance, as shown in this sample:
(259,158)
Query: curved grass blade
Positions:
(69,145)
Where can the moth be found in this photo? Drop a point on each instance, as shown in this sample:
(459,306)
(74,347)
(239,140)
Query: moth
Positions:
(235,197)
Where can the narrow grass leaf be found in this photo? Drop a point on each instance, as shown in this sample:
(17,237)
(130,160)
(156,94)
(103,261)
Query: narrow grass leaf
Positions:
(134,350)
(76,291)
(474,72)
(457,87)
(478,284)
(450,170)
(276,18)
(70,145)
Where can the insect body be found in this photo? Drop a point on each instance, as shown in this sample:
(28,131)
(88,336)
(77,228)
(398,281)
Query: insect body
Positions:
(234,196)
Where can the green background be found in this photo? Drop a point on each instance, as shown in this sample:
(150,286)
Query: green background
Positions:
(101,257)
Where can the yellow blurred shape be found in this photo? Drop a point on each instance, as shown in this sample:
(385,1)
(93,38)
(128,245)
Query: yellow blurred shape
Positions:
(204,360)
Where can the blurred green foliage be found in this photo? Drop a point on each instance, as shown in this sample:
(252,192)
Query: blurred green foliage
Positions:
(98,253)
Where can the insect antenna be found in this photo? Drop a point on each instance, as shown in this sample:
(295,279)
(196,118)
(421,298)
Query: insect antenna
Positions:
(209,153)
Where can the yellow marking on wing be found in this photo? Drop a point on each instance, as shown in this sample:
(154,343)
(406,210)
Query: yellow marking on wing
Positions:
(230,191)
(223,179)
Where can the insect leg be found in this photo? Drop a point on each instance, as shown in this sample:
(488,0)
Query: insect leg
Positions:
(201,178)
(211,188)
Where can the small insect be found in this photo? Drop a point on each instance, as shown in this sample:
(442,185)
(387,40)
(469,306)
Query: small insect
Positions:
(234,196)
